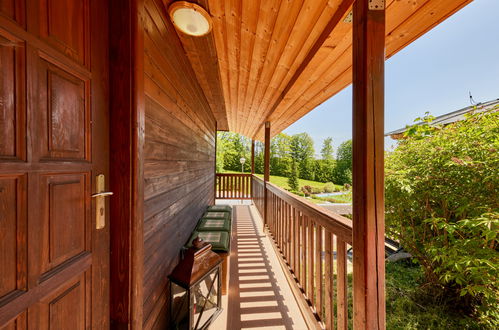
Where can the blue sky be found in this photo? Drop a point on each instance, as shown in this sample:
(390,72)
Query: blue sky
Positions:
(435,73)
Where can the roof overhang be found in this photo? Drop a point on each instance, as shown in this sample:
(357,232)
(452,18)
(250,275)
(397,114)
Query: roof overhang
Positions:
(276,60)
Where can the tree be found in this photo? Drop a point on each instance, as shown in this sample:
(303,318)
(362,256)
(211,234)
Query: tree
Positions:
(280,159)
(302,152)
(232,148)
(327,149)
(343,169)
(293,177)
(441,203)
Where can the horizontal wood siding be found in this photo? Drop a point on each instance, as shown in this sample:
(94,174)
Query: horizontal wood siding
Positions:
(179,156)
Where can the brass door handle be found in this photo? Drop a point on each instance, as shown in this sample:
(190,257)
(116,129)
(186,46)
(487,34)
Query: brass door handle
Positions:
(100,202)
(102,194)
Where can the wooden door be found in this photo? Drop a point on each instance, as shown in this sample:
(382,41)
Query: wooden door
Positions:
(53,142)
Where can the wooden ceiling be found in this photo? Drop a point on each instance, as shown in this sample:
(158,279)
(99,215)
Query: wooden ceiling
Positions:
(277,60)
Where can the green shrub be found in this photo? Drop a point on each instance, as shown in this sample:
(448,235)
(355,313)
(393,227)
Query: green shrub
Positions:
(441,202)
(329,187)
(315,190)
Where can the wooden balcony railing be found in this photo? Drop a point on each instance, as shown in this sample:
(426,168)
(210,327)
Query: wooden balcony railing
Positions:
(313,244)
(233,186)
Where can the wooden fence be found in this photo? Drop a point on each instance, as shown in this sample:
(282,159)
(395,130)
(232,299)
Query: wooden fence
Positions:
(233,186)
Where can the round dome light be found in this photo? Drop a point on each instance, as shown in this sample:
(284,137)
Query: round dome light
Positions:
(190,18)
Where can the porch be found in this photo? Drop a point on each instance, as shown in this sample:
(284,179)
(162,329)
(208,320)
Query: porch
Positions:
(259,295)
(104,98)
(296,262)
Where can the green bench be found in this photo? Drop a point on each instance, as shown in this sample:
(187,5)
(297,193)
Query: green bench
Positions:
(214,227)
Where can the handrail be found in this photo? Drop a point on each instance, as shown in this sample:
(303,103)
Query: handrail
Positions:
(234,174)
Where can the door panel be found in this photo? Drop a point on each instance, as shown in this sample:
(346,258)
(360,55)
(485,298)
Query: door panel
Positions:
(64,107)
(13,257)
(68,307)
(54,128)
(13,9)
(64,24)
(12,110)
(65,214)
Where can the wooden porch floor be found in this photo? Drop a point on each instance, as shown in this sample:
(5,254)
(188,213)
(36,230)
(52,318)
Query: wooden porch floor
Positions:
(259,295)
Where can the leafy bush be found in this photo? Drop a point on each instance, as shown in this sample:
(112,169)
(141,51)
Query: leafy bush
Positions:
(329,187)
(466,260)
(307,190)
(441,194)
(315,190)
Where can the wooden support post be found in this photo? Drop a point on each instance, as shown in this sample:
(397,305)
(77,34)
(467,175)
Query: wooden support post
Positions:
(127,107)
(368,176)
(266,171)
(215,166)
(252,167)
(252,156)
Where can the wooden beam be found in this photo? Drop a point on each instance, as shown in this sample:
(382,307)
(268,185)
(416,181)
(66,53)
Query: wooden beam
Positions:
(127,173)
(266,170)
(368,175)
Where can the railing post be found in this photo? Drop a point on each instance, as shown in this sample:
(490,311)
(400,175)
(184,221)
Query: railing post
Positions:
(215,170)
(252,167)
(368,176)
(266,172)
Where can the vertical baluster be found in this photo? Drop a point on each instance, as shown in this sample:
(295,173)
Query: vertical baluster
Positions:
(239,183)
(293,240)
(236,183)
(304,254)
(328,278)
(231,187)
(246,185)
(310,256)
(238,186)
(285,225)
(299,271)
(290,234)
(278,221)
(318,269)
(285,232)
(281,217)
(341,284)
(296,239)
(241,187)
(220,187)
(274,214)
(223,186)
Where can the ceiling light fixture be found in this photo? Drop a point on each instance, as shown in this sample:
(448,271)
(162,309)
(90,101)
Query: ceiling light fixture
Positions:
(190,18)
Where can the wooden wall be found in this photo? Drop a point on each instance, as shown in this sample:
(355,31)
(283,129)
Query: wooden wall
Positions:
(179,155)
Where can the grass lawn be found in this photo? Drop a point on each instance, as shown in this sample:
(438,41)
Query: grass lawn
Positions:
(282,182)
